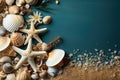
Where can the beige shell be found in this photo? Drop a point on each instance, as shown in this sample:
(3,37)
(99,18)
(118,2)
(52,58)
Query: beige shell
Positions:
(17,39)
(9,2)
(55,57)
(14,9)
(5,59)
(47,19)
(7,68)
(31,2)
(4,43)
(13,22)
(10,77)
(23,75)
(20,2)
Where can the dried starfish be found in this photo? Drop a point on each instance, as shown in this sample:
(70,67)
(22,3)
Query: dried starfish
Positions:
(28,55)
(32,32)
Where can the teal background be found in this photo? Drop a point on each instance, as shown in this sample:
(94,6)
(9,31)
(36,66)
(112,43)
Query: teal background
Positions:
(85,24)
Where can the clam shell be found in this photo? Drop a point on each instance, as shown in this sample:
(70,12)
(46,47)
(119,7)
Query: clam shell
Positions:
(9,2)
(5,59)
(55,57)
(4,43)
(10,77)
(7,68)
(31,2)
(13,22)
(17,39)
(47,19)
(14,9)
(2,31)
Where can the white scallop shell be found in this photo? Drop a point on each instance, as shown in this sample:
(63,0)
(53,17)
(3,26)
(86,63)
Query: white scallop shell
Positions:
(4,43)
(2,31)
(55,57)
(9,2)
(13,22)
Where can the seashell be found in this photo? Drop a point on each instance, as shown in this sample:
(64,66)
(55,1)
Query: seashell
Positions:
(14,9)
(35,76)
(47,19)
(5,59)
(23,75)
(10,77)
(17,39)
(32,2)
(2,31)
(20,2)
(9,2)
(2,5)
(4,43)
(43,74)
(7,68)
(52,71)
(55,57)
(13,22)
(2,75)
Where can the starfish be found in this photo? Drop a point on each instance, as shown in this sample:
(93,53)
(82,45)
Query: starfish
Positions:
(28,55)
(32,32)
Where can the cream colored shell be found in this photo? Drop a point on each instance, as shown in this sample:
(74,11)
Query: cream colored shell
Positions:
(13,22)
(4,43)
(55,57)
(14,9)
(9,2)
(17,39)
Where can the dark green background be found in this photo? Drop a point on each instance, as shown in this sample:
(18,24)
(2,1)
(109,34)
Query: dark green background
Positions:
(85,24)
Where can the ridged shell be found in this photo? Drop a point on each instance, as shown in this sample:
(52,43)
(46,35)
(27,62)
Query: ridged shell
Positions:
(2,31)
(10,77)
(4,43)
(5,59)
(55,57)
(31,2)
(17,39)
(7,68)
(13,22)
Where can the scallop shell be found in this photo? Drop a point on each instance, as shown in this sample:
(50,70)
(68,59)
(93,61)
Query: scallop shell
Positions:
(14,9)
(2,31)
(31,2)
(7,68)
(17,39)
(9,2)
(13,22)
(20,2)
(47,19)
(4,43)
(5,59)
(10,77)
(55,57)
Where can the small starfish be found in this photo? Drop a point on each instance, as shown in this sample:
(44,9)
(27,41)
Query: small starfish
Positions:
(32,32)
(28,55)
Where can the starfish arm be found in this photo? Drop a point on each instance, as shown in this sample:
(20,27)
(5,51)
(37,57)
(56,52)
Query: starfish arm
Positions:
(40,30)
(35,36)
(32,63)
(32,26)
(28,37)
(24,30)
(37,53)
(20,62)
(18,50)
(29,47)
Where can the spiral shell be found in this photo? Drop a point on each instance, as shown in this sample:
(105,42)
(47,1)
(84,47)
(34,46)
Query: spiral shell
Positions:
(7,68)
(14,9)
(4,43)
(13,22)
(17,39)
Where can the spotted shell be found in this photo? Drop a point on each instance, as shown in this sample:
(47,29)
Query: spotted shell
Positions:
(55,57)
(7,68)
(17,39)
(31,2)
(13,22)
(4,43)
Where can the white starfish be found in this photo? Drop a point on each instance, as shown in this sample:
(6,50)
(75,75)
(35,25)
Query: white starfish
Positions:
(32,32)
(28,55)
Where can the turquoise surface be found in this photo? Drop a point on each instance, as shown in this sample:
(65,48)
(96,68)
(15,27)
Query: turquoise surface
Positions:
(85,24)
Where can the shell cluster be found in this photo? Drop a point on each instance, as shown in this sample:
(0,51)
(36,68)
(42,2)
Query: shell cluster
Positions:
(12,25)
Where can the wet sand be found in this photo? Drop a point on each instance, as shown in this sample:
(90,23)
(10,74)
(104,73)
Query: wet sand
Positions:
(79,73)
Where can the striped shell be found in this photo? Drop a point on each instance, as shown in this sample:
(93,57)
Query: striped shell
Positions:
(13,22)
(17,39)
(4,43)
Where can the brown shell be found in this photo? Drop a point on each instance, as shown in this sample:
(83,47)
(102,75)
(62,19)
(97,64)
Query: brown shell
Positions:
(17,39)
